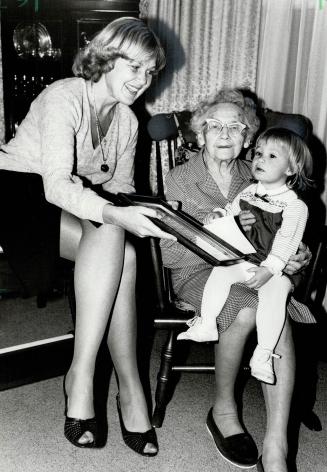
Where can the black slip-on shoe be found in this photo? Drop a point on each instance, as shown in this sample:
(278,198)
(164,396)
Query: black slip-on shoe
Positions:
(238,449)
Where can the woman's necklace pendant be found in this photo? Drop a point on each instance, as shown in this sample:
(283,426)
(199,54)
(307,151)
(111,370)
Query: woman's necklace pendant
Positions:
(104,167)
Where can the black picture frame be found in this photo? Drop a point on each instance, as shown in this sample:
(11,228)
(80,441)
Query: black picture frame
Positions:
(186,229)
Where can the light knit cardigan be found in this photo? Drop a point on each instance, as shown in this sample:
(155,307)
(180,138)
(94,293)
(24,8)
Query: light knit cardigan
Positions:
(54,140)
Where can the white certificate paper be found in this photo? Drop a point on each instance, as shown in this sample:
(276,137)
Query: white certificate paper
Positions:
(226,228)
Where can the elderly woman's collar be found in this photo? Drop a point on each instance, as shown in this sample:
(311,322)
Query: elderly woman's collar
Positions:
(240,169)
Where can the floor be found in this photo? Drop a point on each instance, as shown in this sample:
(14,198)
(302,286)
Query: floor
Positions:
(31,433)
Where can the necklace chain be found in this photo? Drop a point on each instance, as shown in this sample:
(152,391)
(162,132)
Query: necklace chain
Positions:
(99,130)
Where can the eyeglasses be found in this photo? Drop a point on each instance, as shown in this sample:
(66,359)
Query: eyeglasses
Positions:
(216,126)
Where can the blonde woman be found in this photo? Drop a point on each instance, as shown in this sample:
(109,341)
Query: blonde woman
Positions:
(78,140)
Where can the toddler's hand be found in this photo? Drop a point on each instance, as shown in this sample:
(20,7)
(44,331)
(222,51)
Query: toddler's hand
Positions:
(261,275)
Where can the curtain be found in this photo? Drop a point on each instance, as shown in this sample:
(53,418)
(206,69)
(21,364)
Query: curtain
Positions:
(209,44)
(292,62)
(292,70)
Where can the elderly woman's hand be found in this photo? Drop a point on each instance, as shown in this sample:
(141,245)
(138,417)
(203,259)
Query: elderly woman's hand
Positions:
(299,261)
(247,219)
(174,204)
(212,216)
(134,219)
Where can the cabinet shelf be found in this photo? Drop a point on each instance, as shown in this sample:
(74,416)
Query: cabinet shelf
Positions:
(70,24)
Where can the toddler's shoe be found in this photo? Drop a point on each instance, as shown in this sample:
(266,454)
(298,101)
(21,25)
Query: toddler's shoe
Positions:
(199,331)
(261,364)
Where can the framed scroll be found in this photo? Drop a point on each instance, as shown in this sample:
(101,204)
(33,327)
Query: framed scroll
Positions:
(189,231)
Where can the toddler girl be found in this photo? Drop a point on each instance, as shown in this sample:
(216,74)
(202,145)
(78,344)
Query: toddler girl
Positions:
(282,161)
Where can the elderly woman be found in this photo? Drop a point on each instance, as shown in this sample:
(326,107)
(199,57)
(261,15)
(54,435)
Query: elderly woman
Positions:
(76,146)
(211,179)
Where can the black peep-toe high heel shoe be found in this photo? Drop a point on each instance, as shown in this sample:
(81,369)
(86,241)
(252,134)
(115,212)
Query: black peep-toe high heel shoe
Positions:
(137,441)
(75,428)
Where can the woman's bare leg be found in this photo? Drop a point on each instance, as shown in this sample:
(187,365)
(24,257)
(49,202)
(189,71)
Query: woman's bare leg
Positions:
(278,402)
(122,346)
(98,268)
(70,236)
(228,356)
(122,332)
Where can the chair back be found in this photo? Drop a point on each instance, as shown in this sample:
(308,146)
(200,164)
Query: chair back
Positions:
(299,124)
(163,127)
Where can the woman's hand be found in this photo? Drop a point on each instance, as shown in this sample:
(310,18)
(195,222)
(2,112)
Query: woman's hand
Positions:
(261,275)
(134,219)
(246,219)
(299,261)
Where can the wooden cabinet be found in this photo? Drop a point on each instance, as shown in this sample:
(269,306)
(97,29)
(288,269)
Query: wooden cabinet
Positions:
(39,41)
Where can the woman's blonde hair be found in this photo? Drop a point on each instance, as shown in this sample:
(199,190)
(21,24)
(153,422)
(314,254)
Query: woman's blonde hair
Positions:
(300,159)
(119,38)
(246,105)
